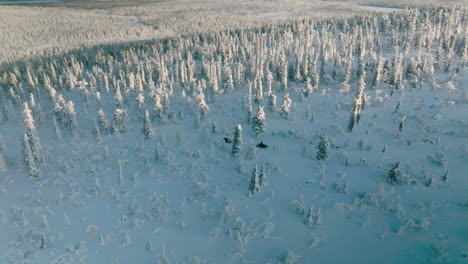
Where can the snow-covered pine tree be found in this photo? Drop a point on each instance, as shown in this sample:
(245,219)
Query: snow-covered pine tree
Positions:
(237,142)
(258,122)
(148,131)
(285,106)
(323,148)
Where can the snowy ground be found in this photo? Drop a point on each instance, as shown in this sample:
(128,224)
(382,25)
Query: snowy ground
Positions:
(114,202)
(92,217)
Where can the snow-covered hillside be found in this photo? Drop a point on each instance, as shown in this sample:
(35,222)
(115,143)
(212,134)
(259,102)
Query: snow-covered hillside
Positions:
(334,140)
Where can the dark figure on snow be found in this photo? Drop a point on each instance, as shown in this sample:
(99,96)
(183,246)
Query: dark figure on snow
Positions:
(262,145)
(227,140)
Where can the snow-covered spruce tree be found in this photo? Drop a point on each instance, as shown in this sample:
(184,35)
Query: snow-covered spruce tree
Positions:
(237,142)
(258,122)
(259,90)
(378,73)
(140,104)
(395,176)
(158,108)
(271,101)
(315,77)
(285,105)
(32,149)
(228,84)
(36,110)
(148,131)
(308,88)
(119,122)
(344,87)
(97,132)
(357,104)
(254,186)
(314,217)
(118,97)
(3,165)
(103,123)
(323,148)
(397,73)
(57,131)
(71,122)
(201,104)
(249,103)
(262,178)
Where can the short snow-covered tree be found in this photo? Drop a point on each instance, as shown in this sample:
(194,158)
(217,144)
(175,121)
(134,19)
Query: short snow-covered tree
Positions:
(119,122)
(323,147)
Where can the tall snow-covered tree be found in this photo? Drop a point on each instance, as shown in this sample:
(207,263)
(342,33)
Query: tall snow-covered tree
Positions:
(357,104)
(397,73)
(97,132)
(71,123)
(271,101)
(258,122)
(378,72)
(237,142)
(259,90)
(254,186)
(148,131)
(3,165)
(103,123)
(262,177)
(32,149)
